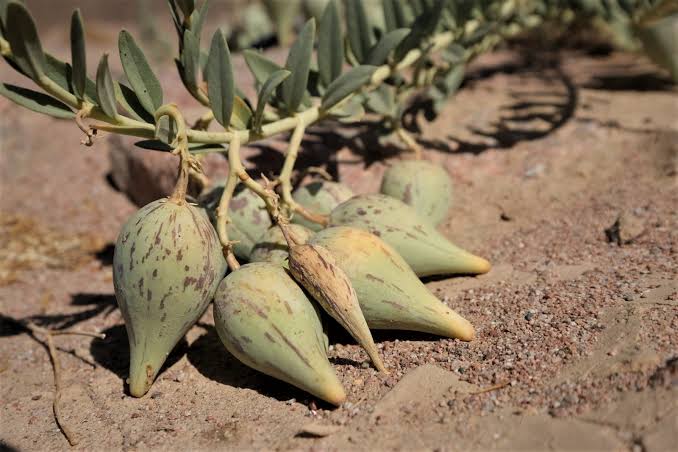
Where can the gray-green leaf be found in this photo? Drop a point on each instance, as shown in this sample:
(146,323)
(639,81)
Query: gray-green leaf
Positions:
(260,66)
(220,84)
(360,36)
(190,61)
(265,94)
(382,100)
(379,53)
(38,102)
(78,56)
(299,64)
(423,26)
(105,88)
(330,44)
(242,114)
(140,75)
(23,38)
(198,19)
(187,7)
(345,85)
(130,103)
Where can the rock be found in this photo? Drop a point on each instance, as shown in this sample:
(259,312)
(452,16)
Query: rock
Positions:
(318,430)
(421,389)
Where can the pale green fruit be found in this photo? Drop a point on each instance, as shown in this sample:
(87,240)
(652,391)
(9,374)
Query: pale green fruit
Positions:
(319,197)
(248,218)
(390,294)
(425,249)
(167,265)
(272,246)
(266,321)
(315,269)
(423,185)
(658,31)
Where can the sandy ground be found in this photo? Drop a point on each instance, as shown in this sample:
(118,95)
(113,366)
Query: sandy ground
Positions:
(577,344)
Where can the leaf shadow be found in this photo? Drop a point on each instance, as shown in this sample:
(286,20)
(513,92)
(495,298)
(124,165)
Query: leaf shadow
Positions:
(112,352)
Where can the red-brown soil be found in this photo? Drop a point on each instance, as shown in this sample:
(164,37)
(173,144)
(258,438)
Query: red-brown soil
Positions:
(577,342)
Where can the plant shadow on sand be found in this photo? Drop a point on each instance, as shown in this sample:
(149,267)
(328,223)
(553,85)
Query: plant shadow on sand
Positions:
(112,352)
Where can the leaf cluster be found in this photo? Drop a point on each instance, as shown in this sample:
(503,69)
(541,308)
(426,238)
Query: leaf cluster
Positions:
(349,63)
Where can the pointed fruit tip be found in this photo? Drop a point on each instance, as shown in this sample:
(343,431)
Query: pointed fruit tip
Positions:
(140,383)
(482,265)
(334,394)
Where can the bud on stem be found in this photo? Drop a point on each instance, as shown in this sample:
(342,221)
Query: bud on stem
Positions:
(315,269)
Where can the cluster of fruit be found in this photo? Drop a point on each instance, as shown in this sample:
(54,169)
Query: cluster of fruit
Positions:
(363,269)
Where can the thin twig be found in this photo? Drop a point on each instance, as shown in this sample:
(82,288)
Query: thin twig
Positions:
(412,145)
(56,366)
(491,388)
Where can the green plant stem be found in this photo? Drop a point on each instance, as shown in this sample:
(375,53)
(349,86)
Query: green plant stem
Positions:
(410,142)
(286,178)
(224,202)
(186,160)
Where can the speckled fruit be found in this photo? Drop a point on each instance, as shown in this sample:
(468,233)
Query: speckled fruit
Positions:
(390,294)
(425,249)
(248,218)
(423,185)
(266,321)
(320,197)
(166,268)
(272,246)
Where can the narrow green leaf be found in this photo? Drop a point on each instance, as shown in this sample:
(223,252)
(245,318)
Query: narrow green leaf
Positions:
(3,16)
(198,19)
(422,27)
(390,18)
(105,88)
(61,74)
(299,64)
(190,61)
(351,111)
(154,145)
(381,50)
(140,75)
(242,114)
(130,103)
(402,13)
(78,56)
(454,54)
(345,85)
(330,44)
(35,101)
(23,38)
(187,7)
(220,85)
(265,94)
(382,100)
(453,79)
(174,12)
(360,36)
(260,66)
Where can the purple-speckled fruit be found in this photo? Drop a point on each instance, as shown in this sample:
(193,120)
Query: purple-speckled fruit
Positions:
(423,185)
(424,249)
(248,218)
(167,265)
(320,197)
